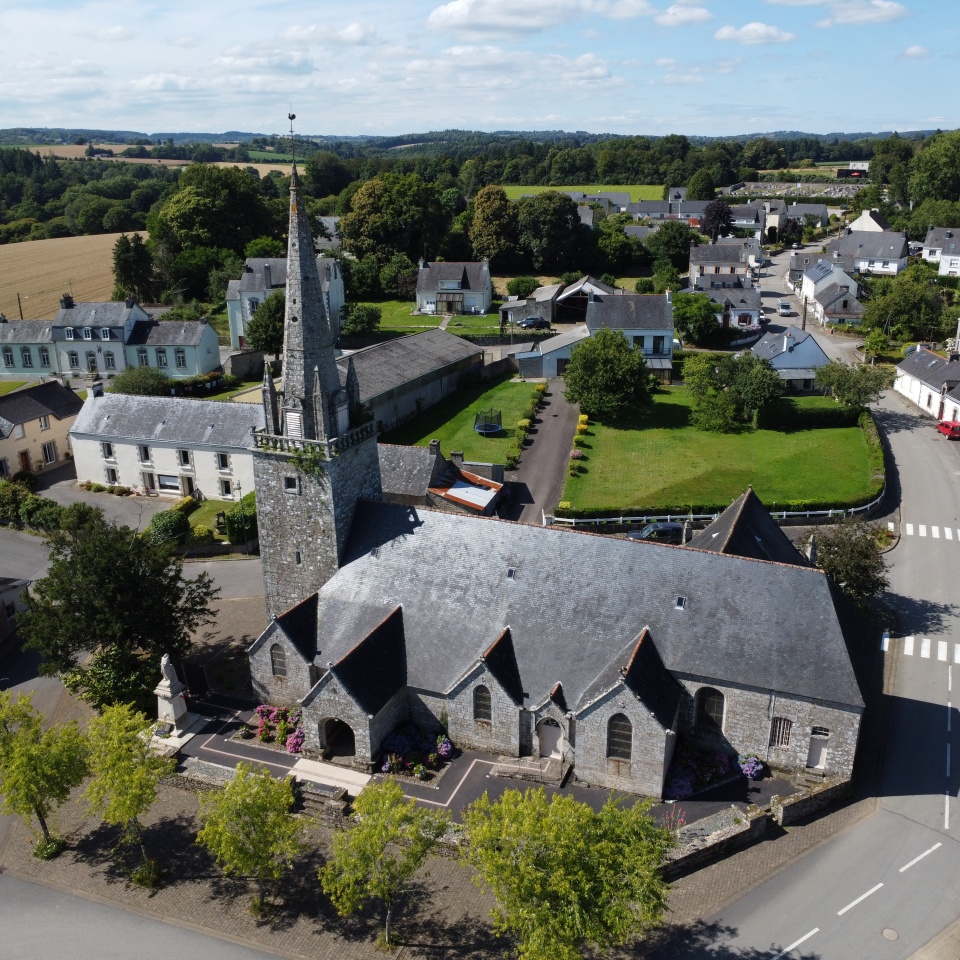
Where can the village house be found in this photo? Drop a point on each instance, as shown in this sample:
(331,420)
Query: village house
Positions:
(35,427)
(931,382)
(940,241)
(794,354)
(449,287)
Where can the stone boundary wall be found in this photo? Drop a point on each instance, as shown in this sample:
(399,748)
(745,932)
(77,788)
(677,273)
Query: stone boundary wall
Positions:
(794,809)
(752,828)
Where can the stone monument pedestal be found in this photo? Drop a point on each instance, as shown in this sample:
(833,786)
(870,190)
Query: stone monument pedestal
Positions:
(172,706)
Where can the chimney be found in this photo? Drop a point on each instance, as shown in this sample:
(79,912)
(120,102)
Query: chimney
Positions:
(421,263)
(435,447)
(267,279)
(669,295)
(96,389)
(66,301)
(456,458)
(130,302)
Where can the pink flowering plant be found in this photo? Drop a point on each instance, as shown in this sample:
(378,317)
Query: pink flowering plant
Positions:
(280,725)
(414,752)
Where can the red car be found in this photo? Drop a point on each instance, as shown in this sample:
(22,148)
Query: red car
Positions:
(950,429)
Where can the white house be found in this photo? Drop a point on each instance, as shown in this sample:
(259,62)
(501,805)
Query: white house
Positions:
(646,320)
(871,221)
(167,445)
(550,356)
(838,303)
(454,287)
(940,241)
(870,251)
(794,354)
(820,276)
(931,382)
(719,259)
(949,265)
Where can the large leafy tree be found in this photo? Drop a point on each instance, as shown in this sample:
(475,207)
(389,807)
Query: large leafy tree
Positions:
(849,553)
(133,268)
(118,597)
(567,878)
(376,857)
(731,391)
(790,230)
(935,169)
(550,231)
(853,386)
(125,773)
(672,241)
(909,307)
(265,329)
(249,828)
(717,219)
(701,186)
(695,317)
(325,173)
(493,227)
(38,768)
(607,376)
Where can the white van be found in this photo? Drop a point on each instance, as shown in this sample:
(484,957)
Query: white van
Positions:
(783,308)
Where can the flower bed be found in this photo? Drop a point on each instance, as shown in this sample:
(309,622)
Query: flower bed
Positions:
(693,770)
(276,725)
(413,752)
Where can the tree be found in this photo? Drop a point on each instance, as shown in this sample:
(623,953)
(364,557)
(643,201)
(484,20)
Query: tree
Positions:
(142,382)
(126,773)
(875,343)
(265,328)
(607,376)
(672,241)
(375,859)
(717,219)
(249,829)
(665,277)
(325,173)
(493,227)
(359,318)
(398,277)
(522,287)
(695,317)
(550,231)
(567,878)
(265,247)
(853,386)
(790,230)
(701,186)
(730,391)
(849,553)
(118,597)
(38,768)
(133,267)
(909,307)
(935,169)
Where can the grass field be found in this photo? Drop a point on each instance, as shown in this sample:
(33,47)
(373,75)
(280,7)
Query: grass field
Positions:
(42,270)
(451,422)
(667,465)
(206,515)
(8,386)
(637,191)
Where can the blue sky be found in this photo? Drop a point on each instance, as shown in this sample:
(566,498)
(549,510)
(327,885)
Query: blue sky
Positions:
(714,67)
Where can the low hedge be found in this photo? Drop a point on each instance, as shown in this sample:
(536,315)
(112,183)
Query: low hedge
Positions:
(240,523)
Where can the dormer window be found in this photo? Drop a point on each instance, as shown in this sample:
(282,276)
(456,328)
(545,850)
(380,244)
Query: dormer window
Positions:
(104,333)
(87,333)
(68,333)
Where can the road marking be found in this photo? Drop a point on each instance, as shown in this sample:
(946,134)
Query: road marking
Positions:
(456,789)
(942,650)
(916,860)
(948,532)
(859,899)
(921,529)
(909,529)
(885,641)
(908,646)
(949,714)
(891,526)
(950,672)
(935,533)
(948,761)
(795,944)
(946,810)
(925,647)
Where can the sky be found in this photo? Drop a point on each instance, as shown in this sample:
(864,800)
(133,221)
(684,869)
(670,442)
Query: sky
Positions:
(708,67)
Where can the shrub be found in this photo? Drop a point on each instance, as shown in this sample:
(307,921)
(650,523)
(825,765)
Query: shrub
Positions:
(119,490)
(577,454)
(522,287)
(185,505)
(579,440)
(644,285)
(169,526)
(582,429)
(12,496)
(201,535)
(523,428)
(142,382)
(541,389)
(28,479)
(241,520)
(583,418)
(563,505)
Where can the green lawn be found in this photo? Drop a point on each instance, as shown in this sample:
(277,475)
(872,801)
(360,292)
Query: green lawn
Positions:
(637,191)
(666,465)
(206,515)
(451,421)
(229,393)
(8,386)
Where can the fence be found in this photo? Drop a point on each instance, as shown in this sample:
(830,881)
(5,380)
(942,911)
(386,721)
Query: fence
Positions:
(783,515)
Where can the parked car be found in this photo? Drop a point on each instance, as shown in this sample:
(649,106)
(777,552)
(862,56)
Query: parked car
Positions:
(783,308)
(661,532)
(950,429)
(534,323)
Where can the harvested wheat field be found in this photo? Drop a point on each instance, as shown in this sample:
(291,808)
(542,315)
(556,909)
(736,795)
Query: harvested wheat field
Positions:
(42,270)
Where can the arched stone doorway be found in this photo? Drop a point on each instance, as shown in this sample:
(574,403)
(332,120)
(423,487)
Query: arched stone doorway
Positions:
(550,735)
(336,738)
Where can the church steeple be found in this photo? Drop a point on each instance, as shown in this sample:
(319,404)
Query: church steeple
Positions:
(314,404)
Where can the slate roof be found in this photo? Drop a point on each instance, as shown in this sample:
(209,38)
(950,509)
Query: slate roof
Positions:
(771,346)
(632,311)
(471,276)
(167,333)
(746,529)
(546,293)
(930,369)
(254,276)
(450,574)
(114,314)
(869,245)
(561,340)
(719,253)
(831,298)
(801,210)
(819,271)
(376,668)
(405,471)
(738,296)
(387,366)
(299,623)
(116,416)
(45,399)
(946,239)
(26,331)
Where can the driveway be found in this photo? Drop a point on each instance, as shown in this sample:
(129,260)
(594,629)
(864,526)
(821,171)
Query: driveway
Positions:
(537,483)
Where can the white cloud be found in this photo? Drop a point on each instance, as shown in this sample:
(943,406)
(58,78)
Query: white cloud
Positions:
(680,15)
(110,34)
(186,41)
(273,62)
(683,79)
(664,62)
(353,34)
(797,3)
(628,9)
(859,12)
(915,52)
(754,33)
(163,82)
(486,17)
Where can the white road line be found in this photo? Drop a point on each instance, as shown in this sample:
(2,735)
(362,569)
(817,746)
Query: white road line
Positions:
(909,527)
(795,944)
(950,673)
(908,646)
(949,715)
(935,533)
(859,899)
(948,761)
(891,526)
(925,647)
(948,532)
(885,641)
(915,860)
(942,650)
(921,529)
(946,810)
(456,789)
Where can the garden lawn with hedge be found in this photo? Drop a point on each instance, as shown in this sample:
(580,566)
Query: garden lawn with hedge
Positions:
(665,465)
(9,386)
(451,421)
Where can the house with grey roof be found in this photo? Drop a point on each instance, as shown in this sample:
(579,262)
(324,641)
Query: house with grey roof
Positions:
(549,357)
(167,445)
(739,301)
(26,348)
(35,427)
(939,241)
(646,320)
(819,286)
(837,303)
(869,251)
(454,287)
(714,259)
(541,303)
(872,221)
(794,354)
(572,300)
(931,382)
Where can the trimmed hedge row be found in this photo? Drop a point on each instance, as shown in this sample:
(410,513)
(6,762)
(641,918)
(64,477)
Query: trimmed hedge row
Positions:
(523,426)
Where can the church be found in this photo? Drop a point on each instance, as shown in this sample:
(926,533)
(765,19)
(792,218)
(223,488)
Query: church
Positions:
(523,640)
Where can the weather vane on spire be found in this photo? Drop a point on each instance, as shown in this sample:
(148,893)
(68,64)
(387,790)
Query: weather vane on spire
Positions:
(293,143)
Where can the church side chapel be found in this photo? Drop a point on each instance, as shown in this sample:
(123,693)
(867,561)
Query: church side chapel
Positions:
(525,641)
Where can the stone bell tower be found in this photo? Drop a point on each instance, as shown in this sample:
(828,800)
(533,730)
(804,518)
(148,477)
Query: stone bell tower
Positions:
(314,460)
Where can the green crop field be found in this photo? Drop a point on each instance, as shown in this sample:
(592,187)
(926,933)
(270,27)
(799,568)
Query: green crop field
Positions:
(666,465)
(637,191)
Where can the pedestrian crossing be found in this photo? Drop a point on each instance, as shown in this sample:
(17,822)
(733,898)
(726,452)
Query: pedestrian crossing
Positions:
(927,649)
(930,532)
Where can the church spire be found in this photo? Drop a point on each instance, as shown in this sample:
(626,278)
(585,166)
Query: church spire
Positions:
(309,337)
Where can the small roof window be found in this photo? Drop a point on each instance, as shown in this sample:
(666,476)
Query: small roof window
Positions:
(681,603)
